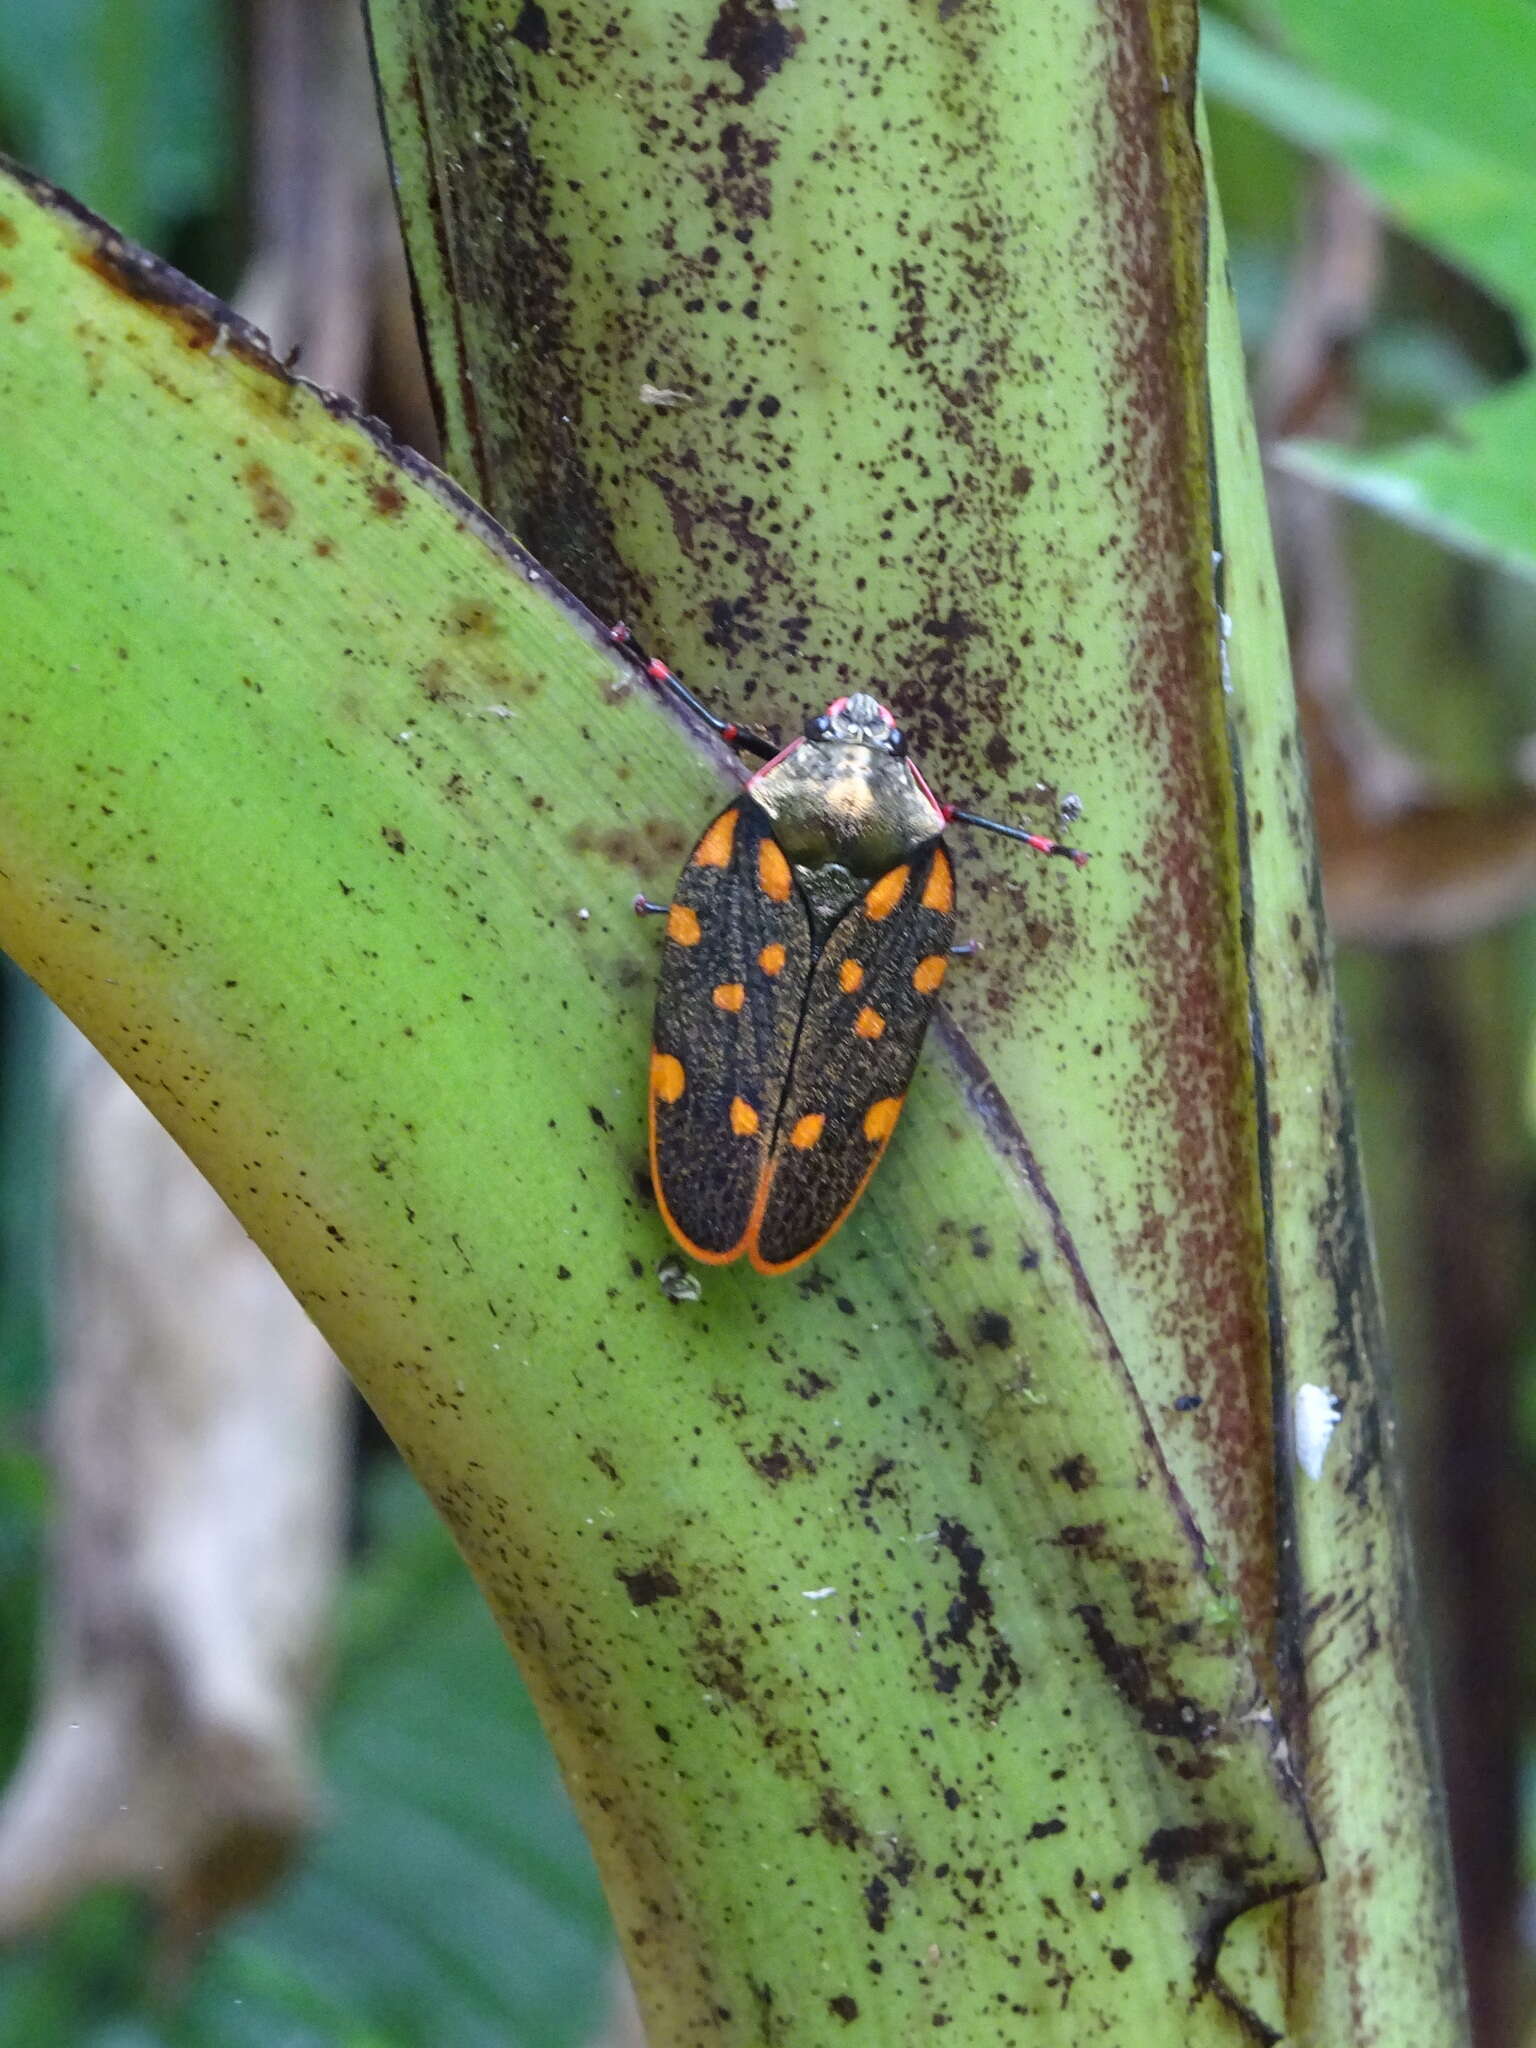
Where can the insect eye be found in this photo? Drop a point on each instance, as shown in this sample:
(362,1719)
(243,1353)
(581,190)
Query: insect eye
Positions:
(819,727)
(897,742)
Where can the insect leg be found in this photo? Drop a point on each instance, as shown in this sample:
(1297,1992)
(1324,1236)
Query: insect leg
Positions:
(644,907)
(741,737)
(1037,840)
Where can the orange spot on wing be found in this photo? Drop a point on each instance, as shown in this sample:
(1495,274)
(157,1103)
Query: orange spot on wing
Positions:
(771,959)
(807,1131)
(667,1077)
(880,1118)
(879,1122)
(887,893)
(928,973)
(939,891)
(744,1118)
(773,871)
(730,995)
(683,925)
(849,975)
(714,849)
(869,1023)
(704,1256)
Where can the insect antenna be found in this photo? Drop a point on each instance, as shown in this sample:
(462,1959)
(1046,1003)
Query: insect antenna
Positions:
(741,737)
(1075,854)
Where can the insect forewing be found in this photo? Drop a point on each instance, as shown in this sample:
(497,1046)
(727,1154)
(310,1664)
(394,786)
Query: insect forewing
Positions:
(735,966)
(871,994)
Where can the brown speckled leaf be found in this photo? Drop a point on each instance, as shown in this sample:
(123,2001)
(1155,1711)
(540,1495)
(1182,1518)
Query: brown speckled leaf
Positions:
(927,292)
(871,1625)
(874,1579)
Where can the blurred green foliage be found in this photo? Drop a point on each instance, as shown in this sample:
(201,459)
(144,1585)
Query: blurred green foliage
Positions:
(449,1898)
(26,1152)
(1433,108)
(132,105)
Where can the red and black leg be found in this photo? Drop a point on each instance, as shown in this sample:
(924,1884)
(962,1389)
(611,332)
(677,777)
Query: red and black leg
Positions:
(741,737)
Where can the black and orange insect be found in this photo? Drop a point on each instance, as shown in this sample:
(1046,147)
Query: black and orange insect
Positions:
(806,944)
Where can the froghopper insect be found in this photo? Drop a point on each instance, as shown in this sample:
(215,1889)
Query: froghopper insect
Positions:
(806,943)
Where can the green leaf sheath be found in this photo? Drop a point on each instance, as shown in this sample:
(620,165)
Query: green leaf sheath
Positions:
(866,1620)
(867,1609)
(1373,1952)
(936,292)
(929,289)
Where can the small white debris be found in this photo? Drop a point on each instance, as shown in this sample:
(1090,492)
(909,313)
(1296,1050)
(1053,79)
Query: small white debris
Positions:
(497,711)
(1315,1416)
(664,396)
(676,1282)
(821,1593)
(583,914)
(408,734)
(220,340)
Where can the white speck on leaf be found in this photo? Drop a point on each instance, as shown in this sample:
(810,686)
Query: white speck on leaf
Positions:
(1315,1416)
